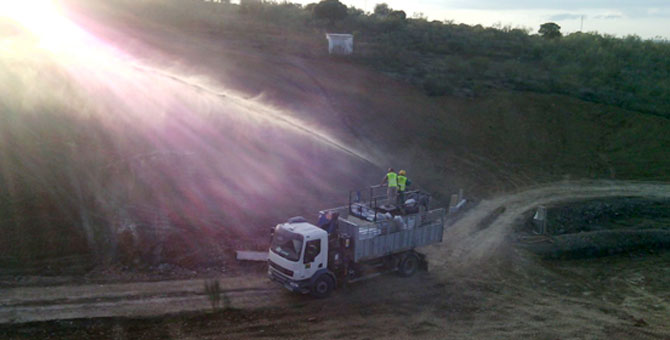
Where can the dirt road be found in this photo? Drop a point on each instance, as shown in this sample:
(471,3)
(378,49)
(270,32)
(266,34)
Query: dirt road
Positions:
(468,241)
(128,299)
(478,286)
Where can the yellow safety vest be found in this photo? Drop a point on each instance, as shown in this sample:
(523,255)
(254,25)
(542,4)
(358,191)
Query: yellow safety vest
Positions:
(392,178)
(402,181)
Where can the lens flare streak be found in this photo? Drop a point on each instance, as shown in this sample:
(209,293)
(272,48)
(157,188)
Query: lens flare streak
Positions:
(94,128)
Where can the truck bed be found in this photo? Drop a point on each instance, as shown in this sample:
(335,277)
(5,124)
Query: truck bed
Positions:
(357,221)
(376,239)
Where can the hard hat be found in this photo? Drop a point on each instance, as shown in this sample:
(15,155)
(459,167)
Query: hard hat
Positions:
(401,172)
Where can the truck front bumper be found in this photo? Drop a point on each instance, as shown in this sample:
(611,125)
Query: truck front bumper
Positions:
(292,285)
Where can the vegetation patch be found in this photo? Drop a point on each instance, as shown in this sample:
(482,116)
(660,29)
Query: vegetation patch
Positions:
(602,243)
(601,227)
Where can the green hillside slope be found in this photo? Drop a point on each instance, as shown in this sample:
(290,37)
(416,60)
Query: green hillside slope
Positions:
(196,136)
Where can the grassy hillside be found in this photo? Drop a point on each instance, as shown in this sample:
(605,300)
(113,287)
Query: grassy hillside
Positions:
(279,51)
(192,153)
(443,58)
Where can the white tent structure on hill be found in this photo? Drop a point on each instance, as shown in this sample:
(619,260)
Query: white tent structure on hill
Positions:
(340,43)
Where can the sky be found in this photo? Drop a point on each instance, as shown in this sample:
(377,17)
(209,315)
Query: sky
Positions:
(648,19)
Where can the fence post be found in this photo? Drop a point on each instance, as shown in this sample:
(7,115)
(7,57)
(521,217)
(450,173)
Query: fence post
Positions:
(452,203)
(540,219)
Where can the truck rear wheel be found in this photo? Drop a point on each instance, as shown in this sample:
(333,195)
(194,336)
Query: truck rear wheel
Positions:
(322,286)
(408,266)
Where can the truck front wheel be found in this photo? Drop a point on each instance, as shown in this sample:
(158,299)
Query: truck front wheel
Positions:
(408,265)
(323,286)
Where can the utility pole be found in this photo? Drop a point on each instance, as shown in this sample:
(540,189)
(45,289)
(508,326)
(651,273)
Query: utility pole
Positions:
(581,26)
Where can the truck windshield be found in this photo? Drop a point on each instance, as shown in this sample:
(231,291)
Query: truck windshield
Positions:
(287,244)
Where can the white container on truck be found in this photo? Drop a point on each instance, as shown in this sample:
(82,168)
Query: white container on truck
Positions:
(358,241)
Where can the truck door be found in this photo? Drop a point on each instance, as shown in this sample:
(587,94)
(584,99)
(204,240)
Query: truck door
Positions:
(315,256)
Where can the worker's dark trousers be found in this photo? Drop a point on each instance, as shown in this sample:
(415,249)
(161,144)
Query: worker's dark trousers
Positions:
(392,195)
(401,197)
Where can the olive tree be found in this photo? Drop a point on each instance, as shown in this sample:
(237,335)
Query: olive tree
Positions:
(550,30)
(382,10)
(332,10)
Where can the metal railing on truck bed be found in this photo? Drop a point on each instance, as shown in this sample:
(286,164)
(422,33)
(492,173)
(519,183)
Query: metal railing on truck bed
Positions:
(365,204)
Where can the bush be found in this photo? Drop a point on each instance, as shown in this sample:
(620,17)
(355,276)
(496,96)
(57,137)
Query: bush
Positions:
(331,10)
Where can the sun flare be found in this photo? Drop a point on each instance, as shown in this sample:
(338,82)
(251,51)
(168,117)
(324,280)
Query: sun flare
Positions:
(42,18)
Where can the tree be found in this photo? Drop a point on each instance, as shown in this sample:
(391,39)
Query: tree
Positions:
(310,7)
(332,10)
(355,12)
(250,6)
(382,10)
(550,30)
(398,15)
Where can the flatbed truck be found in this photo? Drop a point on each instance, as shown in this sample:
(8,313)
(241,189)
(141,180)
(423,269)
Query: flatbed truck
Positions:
(365,238)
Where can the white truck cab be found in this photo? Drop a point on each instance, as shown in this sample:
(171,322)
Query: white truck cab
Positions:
(298,256)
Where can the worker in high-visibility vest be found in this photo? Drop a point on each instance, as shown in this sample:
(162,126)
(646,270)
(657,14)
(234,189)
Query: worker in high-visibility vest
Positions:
(402,186)
(391,179)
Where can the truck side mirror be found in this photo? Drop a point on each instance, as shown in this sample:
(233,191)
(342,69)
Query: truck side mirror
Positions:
(272,232)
